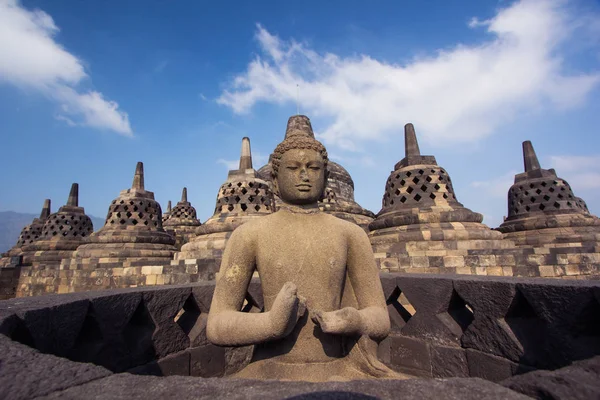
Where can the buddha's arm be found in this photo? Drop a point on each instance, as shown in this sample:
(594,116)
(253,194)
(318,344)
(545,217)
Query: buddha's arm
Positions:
(371,318)
(227,325)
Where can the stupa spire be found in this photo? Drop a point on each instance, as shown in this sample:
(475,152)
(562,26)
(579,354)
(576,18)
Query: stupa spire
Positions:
(529,157)
(169,206)
(74,196)
(183,196)
(246,155)
(411,146)
(138,178)
(299,125)
(45,210)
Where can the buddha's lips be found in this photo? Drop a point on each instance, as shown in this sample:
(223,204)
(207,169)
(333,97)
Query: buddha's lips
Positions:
(304,186)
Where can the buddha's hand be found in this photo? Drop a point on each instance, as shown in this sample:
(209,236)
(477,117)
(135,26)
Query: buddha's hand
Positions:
(346,321)
(287,308)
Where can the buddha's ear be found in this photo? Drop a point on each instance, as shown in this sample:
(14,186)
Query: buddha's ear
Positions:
(275,184)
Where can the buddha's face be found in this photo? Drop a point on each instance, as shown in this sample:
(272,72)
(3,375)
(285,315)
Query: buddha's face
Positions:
(301,177)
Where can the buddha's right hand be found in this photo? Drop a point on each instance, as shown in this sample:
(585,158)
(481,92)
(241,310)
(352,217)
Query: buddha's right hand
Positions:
(287,308)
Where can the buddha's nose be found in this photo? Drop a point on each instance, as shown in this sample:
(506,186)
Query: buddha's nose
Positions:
(303,175)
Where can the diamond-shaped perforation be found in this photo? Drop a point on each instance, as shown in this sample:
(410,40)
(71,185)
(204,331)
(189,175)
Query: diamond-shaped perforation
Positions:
(524,321)
(137,335)
(458,316)
(187,318)
(432,184)
(399,309)
(541,196)
(250,305)
(90,339)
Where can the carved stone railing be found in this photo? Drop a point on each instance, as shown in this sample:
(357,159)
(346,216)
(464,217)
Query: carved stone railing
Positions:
(442,326)
(492,328)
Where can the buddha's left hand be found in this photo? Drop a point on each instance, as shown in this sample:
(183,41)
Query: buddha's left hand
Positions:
(347,321)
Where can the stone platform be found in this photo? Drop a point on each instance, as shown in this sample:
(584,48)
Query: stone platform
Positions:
(461,337)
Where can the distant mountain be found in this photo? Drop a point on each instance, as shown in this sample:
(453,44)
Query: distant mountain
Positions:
(12,222)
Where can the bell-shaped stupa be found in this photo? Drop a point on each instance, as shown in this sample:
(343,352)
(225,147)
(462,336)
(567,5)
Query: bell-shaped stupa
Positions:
(182,221)
(167,213)
(544,211)
(242,197)
(422,227)
(61,234)
(338,198)
(132,238)
(29,234)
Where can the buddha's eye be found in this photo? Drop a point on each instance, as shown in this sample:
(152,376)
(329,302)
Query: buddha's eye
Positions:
(292,167)
(315,168)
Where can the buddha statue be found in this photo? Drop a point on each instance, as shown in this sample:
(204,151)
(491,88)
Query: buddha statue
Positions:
(324,309)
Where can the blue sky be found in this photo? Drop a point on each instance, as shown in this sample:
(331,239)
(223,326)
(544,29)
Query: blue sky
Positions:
(87,89)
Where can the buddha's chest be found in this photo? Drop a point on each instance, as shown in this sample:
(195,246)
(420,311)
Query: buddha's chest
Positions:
(312,258)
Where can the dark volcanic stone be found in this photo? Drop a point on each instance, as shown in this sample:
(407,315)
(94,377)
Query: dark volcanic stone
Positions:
(25,373)
(207,361)
(581,380)
(448,362)
(492,368)
(131,387)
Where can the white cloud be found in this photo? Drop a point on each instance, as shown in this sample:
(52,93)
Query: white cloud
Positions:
(30,58)
(496,187)
(229,164)
(582,172)
(461,93)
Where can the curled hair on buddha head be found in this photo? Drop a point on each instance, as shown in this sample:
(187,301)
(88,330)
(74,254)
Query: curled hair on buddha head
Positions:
(298,141)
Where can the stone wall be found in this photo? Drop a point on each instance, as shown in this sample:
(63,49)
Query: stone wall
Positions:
(443,257)
(442,326)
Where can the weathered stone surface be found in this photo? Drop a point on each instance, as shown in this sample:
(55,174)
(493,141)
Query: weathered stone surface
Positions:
(289,249)
(492,368)
(25,373)
(144,387)
(207,361)
(579,381)
(163,306)
(448,362)
(421,219)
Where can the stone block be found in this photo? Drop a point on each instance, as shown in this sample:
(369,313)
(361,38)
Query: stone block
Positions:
(207,361)
(507,271)
(492,368)
(579,381)
(454,261)
(505,259)
(419,262)
(448,362)
(150,280)
(411,353)
(572,270)
(175,364)
(481,270)
(464,270)
(547,271)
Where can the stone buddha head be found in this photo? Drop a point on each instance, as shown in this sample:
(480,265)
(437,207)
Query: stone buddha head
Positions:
(299,169)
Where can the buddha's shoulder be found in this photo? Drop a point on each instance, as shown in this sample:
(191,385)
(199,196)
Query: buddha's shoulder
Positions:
(344,225)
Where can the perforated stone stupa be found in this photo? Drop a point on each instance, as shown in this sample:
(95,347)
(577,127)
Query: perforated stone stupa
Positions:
(132,239)
(29,234)
(167,213)
(338,198)
(544,213)
(423,228)
(242,197)
(182,221)
(62,233)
